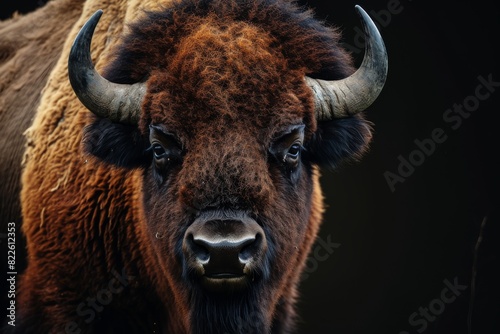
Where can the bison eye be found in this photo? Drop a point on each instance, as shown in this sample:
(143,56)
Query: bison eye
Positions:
(166,152)
(287,148)
(158,151)
(293,152)
(292,155)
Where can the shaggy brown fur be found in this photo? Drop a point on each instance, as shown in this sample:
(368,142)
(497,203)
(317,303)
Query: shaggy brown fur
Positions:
(29,48)
(225,81)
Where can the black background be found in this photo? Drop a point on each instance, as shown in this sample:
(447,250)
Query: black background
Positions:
(397,247)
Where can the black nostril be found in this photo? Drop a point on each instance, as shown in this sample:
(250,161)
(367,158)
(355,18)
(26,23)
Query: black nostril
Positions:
(250,248)
(202,254)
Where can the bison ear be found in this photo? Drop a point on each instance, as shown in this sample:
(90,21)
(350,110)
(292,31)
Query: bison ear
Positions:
(339,140)
(115,143)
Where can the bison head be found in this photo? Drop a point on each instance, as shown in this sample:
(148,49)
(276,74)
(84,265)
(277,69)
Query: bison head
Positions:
(228,110)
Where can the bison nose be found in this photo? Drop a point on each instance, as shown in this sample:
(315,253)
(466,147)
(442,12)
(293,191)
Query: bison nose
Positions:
(224,256)
(224,248)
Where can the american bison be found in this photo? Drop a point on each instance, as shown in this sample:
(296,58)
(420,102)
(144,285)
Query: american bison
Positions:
(171,178)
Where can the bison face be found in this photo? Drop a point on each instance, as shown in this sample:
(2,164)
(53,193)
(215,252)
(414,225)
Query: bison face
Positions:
(228,131)
(227,187)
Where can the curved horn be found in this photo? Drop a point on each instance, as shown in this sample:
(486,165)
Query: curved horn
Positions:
(117,102)
(346,97)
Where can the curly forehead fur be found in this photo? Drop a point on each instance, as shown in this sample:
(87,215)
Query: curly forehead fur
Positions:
(228,72)
(306,44)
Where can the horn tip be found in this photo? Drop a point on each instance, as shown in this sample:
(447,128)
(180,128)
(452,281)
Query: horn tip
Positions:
(361,12)
(98,13)
(359,8)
